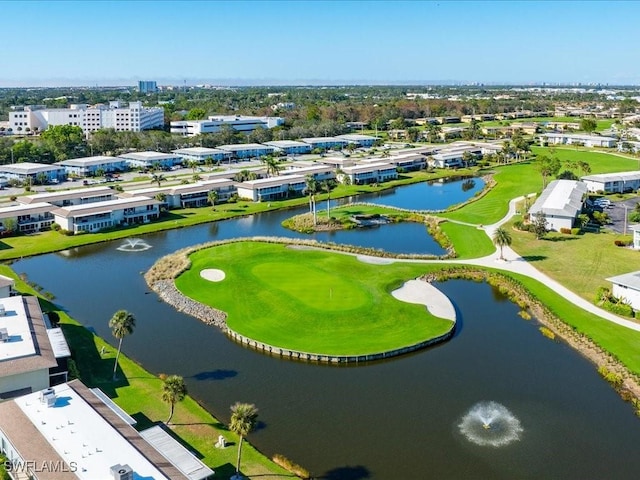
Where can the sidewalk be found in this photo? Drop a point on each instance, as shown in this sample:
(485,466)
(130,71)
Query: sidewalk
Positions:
(516,264)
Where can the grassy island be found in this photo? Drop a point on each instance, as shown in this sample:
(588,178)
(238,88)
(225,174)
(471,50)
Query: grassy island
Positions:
(309,300)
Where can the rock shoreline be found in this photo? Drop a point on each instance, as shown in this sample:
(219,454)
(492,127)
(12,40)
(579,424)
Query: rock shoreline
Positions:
(168,292)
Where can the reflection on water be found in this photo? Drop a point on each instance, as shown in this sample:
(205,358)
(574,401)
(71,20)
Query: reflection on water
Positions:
(385,420)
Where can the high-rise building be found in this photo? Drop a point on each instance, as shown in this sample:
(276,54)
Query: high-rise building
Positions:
(147,86)
(134,117)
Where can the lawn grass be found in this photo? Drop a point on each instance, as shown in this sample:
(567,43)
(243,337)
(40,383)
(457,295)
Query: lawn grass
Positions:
(522,178)
(139,393)
(469,242)
(311,301)
(580,262)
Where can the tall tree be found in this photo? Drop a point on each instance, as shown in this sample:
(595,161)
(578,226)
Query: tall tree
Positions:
(311,188)
(272,165)
(588,125)
(327,186)
(548,167)
(243,421)
(501,238)
(121,324)
(212,198)
(158,178)
(173,391)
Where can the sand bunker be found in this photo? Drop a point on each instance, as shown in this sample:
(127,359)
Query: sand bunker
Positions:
(212,274)
(423,293)
(374,260)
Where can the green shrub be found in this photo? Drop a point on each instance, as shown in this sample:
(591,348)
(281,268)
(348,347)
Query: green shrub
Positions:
(55,227)
(547,333)
(73,370)
(575,231)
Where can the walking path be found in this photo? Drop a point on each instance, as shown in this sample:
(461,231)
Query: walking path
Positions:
(515,263)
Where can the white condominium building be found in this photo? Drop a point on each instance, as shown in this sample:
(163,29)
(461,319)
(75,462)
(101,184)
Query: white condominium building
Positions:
(134,117)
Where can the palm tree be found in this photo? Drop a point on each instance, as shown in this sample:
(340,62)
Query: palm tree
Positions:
(192,164)
(243,421)
(273,168)
(158,178)
(212,197)
(501,238)
(173,391)
(312,188)
(121,324)
(327,185)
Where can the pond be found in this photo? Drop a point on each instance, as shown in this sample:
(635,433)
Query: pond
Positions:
(392,419)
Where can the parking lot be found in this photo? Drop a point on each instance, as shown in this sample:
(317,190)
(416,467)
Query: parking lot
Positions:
(617,213)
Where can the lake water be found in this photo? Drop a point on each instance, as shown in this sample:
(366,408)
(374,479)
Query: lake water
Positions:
(385,420)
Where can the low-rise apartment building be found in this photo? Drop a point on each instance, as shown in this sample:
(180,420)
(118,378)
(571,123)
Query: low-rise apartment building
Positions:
(371,173)
(29,172)
(201,154)
(92,166)
(290,147)
(151,160)
(273,188)
(26,218)
(187,196)
(579,139)
(612,182)
(243,151)
(325,143)
(93,217)
(65,198)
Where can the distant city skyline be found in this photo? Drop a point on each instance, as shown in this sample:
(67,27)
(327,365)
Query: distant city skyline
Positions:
(67,43)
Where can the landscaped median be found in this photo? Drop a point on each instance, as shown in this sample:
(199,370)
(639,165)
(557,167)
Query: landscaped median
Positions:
(299,300)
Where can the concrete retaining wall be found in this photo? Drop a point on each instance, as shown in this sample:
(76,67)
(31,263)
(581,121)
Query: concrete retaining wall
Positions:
(333,359)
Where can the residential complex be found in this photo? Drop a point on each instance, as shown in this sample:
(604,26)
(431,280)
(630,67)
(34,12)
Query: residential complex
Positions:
(612,182)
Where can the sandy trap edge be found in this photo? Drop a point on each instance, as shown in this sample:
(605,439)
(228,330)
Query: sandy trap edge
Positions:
(212,274)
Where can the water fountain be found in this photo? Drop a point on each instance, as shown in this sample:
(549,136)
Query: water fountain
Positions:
(134,245)
(490,424)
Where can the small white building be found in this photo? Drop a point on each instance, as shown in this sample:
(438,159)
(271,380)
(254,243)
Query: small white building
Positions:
(64,198)
(151,160)
(273,188)
(627,287)
(290,147)
(561,202)
(91,166)
(92,217)
(612,182)
(579,139)
(201,154)
(636,236)
(27,218)
(372,173)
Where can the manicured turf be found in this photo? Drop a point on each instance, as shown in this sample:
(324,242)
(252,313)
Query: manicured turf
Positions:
(311,301)
(523,178)
(469,242)
(581,262)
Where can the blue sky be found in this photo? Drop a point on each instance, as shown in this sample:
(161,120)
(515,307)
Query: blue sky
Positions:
(326,42)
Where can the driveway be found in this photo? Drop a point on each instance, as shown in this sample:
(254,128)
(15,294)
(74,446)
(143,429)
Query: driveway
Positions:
(617,213)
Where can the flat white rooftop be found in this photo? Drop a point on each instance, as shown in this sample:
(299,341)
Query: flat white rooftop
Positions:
(148,156)
(20,343)
(29,168)
(80,436)
(88,161)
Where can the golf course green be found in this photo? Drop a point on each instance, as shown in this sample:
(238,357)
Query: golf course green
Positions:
(310,300)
